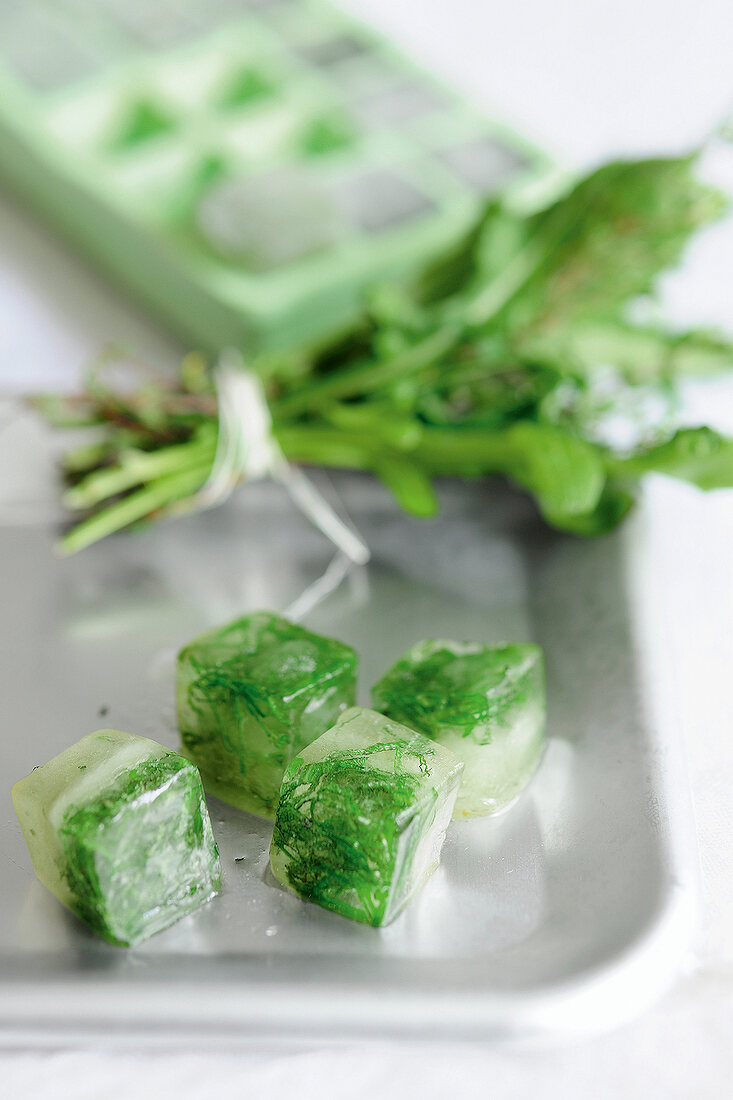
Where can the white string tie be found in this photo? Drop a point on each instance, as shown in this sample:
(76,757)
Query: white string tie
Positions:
(247,450)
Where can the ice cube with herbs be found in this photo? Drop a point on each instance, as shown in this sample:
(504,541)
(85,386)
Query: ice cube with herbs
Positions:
(484,703)
(362,816)
(117,828)
(252,694)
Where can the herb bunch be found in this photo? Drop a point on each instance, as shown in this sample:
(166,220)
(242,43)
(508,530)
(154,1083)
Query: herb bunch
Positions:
(515,353)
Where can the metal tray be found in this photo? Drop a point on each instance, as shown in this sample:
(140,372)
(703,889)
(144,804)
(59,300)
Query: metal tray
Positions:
(568,913)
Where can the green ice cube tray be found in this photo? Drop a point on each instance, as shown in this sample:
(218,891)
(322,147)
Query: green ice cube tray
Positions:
(245,167)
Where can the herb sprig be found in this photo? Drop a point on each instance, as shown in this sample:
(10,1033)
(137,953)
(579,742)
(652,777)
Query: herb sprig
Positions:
(513,354)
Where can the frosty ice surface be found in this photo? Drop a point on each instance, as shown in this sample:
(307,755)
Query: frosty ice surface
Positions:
(484,703)
(251,695)
(362,816)
(117,828)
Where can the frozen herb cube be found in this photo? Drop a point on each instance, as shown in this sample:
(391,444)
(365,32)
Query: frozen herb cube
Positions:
(117,828)
(484,703)
(251,695)
(362,816)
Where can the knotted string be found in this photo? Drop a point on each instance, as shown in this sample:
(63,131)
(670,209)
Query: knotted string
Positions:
(247,450)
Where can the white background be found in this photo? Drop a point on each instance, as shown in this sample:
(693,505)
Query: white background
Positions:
(590,79)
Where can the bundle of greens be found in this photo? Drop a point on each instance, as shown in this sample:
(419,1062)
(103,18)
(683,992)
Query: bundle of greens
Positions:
(516,354)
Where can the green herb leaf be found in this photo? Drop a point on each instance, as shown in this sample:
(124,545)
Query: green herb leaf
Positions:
(590,252)
(698,455)
(613,505)
(410,485)
(643,354)
(565,474)
(607,241)
(477,260)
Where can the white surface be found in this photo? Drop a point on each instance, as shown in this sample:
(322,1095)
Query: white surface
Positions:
(592,79)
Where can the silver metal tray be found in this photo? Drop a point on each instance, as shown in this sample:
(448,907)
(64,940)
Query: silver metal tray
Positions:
(568,913)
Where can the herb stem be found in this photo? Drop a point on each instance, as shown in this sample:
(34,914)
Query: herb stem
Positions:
(370,375)
(136,468)
(136,506)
